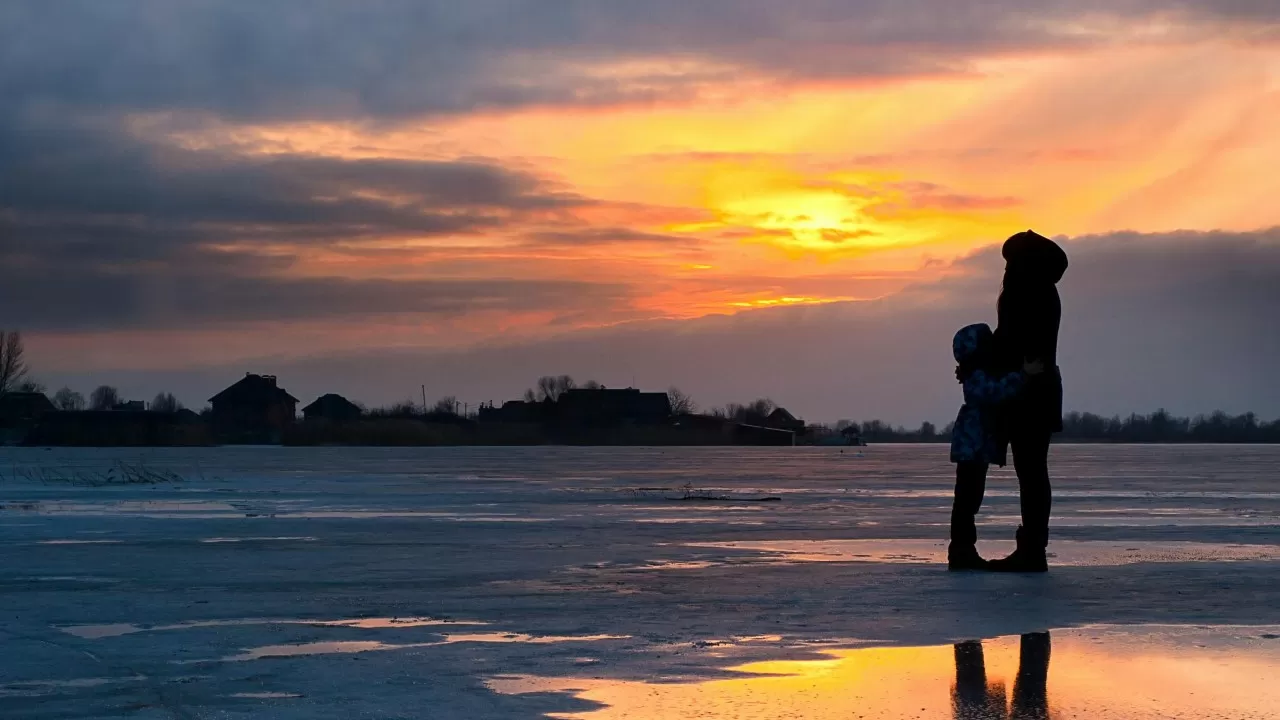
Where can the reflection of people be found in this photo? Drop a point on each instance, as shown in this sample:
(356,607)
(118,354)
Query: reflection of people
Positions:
(972,698)
(1030,313)
(1030,696)
(974,443)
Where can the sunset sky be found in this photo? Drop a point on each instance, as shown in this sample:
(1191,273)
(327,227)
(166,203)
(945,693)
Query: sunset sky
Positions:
(374,195)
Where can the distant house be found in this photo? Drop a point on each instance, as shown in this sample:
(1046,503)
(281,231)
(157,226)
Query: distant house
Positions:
(332,407)
(781,419)
(513,411)
(255,409)
(600,407)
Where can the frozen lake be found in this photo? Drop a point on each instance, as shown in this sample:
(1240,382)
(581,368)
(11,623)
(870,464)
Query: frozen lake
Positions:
(630,583)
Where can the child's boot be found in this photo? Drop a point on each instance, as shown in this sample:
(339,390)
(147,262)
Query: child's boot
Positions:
(964,557)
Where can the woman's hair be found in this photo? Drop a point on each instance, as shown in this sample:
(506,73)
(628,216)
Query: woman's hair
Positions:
(1013,284)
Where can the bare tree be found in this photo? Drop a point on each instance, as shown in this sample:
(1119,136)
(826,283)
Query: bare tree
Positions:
(681,403)
(32,386)
(447,404)
(13,363)
(104,397)
(565,384)
(551,387)
(68,399)
(530,396)
(166,403)
(753,412)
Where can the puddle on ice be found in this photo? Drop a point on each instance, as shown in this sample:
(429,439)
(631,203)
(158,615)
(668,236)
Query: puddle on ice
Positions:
(669,565)
(257,539)
(74,578)
(78,542)
(94,632)
(344,647)
(317,648)
(499,637)
(213,510)
(1132,673)
(1145,520)
(391,514)
(161,508)
(1062,552)
(38,688)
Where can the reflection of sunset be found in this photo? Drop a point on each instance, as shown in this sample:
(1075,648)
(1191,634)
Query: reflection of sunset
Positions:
(1086,678)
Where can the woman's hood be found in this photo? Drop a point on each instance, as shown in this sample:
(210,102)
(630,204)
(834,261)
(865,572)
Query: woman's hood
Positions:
(1032,252)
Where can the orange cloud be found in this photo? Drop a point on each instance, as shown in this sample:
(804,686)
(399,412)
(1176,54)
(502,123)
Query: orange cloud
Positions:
(690,200)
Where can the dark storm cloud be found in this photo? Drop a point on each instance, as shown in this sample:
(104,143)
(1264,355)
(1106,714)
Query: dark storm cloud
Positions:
(212,292)
(72,172)
(397,58)
(100,231)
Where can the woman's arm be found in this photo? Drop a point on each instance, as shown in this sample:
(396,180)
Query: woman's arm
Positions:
(984,389)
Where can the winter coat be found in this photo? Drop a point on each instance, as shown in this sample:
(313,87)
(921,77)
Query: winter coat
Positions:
(976,436)
(1030,313)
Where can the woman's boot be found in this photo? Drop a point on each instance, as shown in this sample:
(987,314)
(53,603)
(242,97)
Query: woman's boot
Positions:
(1029,557)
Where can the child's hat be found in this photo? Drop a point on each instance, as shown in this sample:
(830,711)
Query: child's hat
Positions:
(969,339)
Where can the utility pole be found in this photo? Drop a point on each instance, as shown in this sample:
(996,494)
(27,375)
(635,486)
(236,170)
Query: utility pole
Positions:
(424,399)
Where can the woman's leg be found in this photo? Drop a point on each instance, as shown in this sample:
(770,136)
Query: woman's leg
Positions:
(1031,462)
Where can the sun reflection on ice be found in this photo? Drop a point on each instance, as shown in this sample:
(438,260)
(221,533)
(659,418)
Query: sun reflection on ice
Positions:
(1128,673)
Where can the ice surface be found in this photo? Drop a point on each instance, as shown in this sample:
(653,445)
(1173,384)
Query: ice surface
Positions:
(340,582)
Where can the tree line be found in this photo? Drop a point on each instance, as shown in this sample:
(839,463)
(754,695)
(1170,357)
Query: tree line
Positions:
(15,376)
(1160,426)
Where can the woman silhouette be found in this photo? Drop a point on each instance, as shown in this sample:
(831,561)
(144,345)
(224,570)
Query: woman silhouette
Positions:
(1030,312)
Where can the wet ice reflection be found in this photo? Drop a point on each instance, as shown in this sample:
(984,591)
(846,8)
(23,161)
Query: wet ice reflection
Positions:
(1062,552)
(94,632)
(1128,674)
(361,646)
